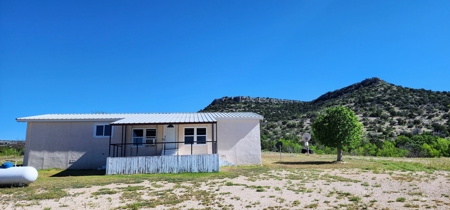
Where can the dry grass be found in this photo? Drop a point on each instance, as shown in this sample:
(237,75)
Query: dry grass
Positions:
(317,179)
(13,159)
(301,161)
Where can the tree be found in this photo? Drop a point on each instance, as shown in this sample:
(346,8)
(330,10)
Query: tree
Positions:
(338,127)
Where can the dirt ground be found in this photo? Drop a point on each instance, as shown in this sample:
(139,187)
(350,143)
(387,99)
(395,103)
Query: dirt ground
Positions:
(276,189)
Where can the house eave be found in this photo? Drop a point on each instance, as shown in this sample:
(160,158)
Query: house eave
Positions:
(240,118)
(66,120)
(145,118)
(162,123)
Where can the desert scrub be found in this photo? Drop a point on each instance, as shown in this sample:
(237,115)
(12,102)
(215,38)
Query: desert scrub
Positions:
(104,191)
(311,206)
(354,199)
(229,184)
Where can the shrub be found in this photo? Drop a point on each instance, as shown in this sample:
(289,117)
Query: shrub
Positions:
(401,199)
(366,149)
(389,150)
(289,146)
(438,148)
(429,151)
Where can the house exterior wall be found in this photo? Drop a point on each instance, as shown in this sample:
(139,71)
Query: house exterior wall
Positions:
(72,145)
(239,141)
(64,145)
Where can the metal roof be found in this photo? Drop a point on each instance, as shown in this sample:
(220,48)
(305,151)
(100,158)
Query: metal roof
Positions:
(72,117)
(145,118)
(166,118)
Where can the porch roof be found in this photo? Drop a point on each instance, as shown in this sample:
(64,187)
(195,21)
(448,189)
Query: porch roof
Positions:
(145,118)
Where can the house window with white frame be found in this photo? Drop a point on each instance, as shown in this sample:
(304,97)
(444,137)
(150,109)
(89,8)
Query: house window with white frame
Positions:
(194,135)
(102,130)
(144,137)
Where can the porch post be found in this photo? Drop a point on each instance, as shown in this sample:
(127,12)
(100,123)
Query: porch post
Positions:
(121,141)
(124,142)
(216,138)
(213,142)
(137,149)
(110,133)
(116,151)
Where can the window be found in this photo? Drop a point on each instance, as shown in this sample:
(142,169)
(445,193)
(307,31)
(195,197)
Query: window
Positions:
(139,139)
(195,136)
(201,135)
(150,137)
(102,130)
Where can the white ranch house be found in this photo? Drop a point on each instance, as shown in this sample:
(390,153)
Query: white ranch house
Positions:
(150,143)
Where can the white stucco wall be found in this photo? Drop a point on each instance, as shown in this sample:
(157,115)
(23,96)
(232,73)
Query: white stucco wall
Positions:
(65,145)
(239,141)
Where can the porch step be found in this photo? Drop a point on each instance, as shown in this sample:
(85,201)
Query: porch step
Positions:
(170,152)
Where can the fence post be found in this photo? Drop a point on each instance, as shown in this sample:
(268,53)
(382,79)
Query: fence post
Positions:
(280,152)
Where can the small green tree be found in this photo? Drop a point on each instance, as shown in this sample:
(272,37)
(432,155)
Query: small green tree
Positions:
(337,127)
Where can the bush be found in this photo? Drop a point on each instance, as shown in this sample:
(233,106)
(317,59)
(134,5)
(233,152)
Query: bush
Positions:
(443,146)
(329,150)
(424,145)
(316,150)
(366,149)
(289,146)
(438,148)
(11,151)
(429,151)
(389,150)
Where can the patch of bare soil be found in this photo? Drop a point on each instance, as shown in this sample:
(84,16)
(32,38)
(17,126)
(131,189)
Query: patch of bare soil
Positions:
(278,189)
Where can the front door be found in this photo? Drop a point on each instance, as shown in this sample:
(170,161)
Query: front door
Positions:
(170,136)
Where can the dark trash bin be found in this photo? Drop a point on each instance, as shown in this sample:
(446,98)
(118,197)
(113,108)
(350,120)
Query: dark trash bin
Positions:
(304,150)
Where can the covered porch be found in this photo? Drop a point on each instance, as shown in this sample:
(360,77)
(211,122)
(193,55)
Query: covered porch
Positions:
(163,140)
(169,144)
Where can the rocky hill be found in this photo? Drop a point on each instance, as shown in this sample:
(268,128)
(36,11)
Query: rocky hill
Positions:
(386,110)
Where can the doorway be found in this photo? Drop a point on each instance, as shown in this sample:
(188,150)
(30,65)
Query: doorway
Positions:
(170,135)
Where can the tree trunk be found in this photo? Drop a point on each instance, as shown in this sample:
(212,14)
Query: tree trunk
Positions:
(339,154)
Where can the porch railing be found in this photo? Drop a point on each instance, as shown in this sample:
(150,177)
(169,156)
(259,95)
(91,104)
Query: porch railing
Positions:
(120,149)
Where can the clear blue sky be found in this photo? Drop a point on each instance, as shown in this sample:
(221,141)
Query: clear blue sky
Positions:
(177,56)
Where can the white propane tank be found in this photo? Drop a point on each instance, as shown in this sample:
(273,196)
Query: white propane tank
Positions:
(18,175)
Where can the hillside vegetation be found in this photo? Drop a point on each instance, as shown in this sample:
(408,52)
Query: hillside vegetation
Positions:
(12,151)
(386,111)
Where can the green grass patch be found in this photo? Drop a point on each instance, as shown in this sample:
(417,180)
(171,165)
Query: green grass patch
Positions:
(104,191)
(354,199)
(401,199)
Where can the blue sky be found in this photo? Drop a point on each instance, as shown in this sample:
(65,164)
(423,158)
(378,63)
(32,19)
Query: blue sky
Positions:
(177,56)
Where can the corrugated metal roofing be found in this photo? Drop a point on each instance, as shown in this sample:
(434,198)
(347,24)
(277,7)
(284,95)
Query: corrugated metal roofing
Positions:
(145,118)
(167,118)
(72,117)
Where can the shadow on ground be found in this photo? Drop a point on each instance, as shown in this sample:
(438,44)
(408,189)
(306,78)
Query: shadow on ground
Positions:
(304,162)
(80,173)
(13,185)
